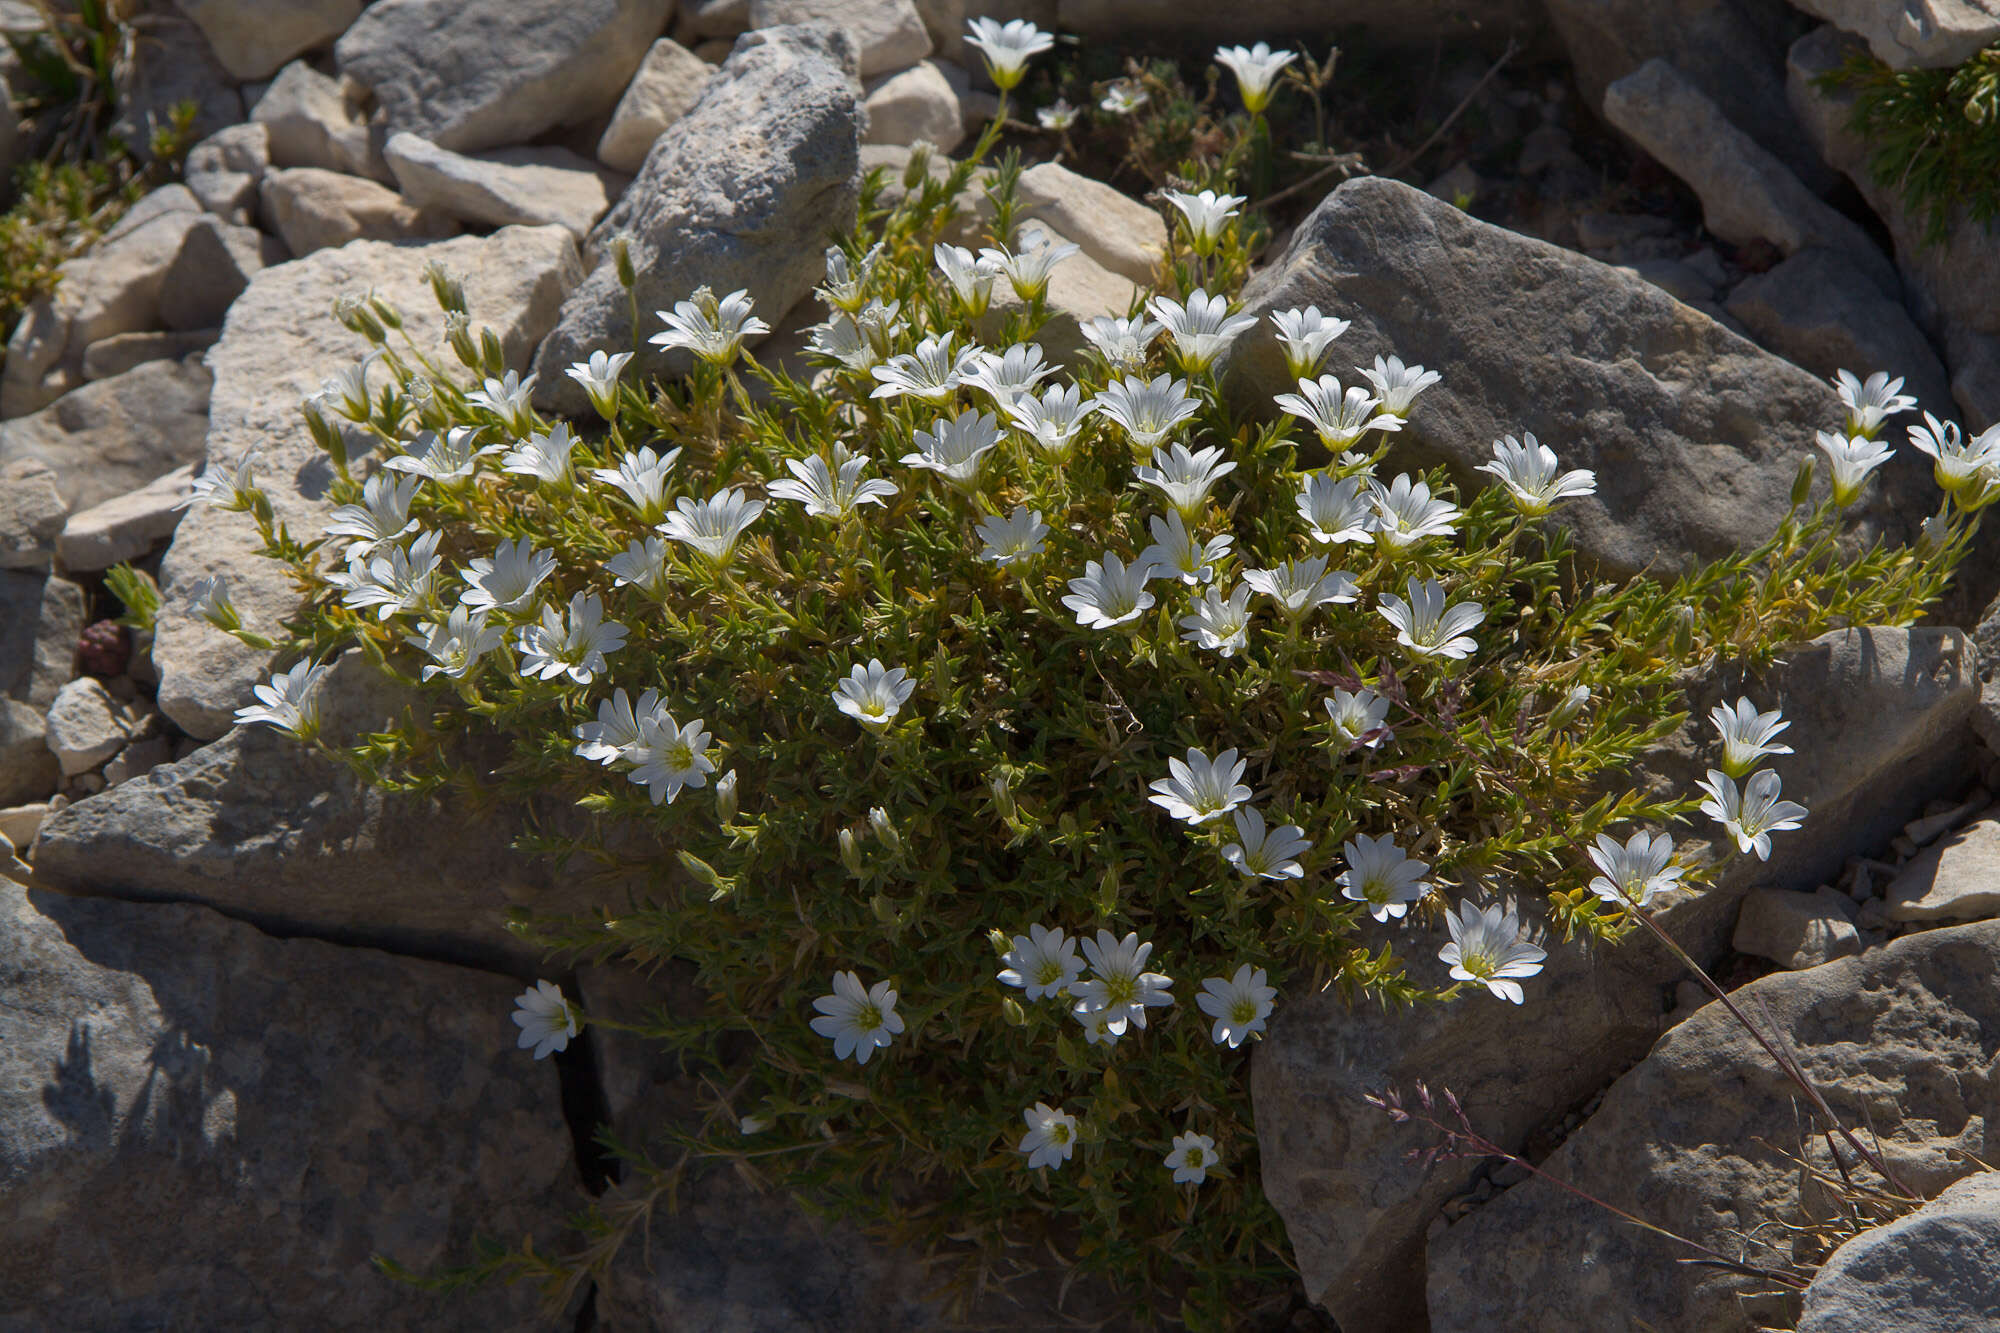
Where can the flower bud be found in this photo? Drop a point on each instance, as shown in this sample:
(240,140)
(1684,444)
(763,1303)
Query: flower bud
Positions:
(725,798)
(621,255)
(325,434)
(1572,704)
(1003,795)
(1011,1010)
(492,356)
(358,318)
(850,853)
(458,332)
(753,1124)
(385,311)
(885,832)
(1802,484)
(211,603)
(998,939)
(919,165)
(448,290)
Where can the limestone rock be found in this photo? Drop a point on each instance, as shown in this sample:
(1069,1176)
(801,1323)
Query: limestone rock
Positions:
(1119,232)
(1796,930)
(115,435)
(1918,34)
(280,342)
(171,63)
(41,617)
(1080,289)
(217,259)
(85,726)
(1975,375)
(670,81)
(18,823)
(917,103)
(222,171)
(1930,1272)
(889,34)
(317,210)
(530,186)
(112,356)
(126,526)
(32,512)
(28,771)
(1956,878)
(473,74)
(312,120)
(1895,1039)
(252,38)
(742,192)
(1415,22)
(309,1105)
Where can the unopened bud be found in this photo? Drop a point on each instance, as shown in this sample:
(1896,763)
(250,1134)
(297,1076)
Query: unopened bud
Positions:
(325,434)
(850,852)
(725,797)
(211,603)
(458,332)
(885,832)
(450,292)
(358,318)
(621,257)
(998,939)
(492,357)
(1802,484)
(1010,1009)
(1572,704)
(1003,795)
(385,311)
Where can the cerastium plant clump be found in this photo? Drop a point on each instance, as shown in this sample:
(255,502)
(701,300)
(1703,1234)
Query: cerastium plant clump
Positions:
(1005,737)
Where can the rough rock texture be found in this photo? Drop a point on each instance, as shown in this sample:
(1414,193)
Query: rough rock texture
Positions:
(40,619)
(314,209)
(1797,930)
(217,259)
(311,120)
(252,38)
(1975,375)
(109,357)
(222,171)
(888,34)
(1915,34)
(1878,720)
(280,342)
(530,186)
(473,74)
(1116,230)
(669,82)
(1695,434)
(1080,289)
(198,1117)
(742,192)
(1957,878)
(126,526)
(918,103)
(27,770)
(1930,1272)
(171,63)
(115,435)
(1900,1040)
(32,512)
(85,725)
(1415,21)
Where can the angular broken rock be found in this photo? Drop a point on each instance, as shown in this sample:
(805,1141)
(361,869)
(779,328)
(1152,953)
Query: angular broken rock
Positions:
(529,186)
(314,209)
(253,38)
(222,170)
(1116,230)
(85,726)
(217,259)
(1930,1272)
(889,34)
(114,436)
(128,351)
(670,81)
(41,617)
(1956,879)
(1917,34)
(309,120)
(32,512)
(915,104)
(1796,930)
(126,526)
(28,772)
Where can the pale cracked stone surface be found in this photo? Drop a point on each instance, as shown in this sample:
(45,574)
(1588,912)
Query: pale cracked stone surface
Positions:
(529,186)
(1930,1272)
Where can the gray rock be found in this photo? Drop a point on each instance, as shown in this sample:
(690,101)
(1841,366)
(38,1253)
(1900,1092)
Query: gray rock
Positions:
(28,772)
(198,1117)
(19,823)
(669,82)
(85,726)
(1417,22)
(1975,375)
(1818,310)
(1695,434)
(1746,192)
(1955,879)
(112,356)
(1917,34)
(713,19)
(1930,1272)
(473,74)
(252,38)
(32,512)
(742,192)
(531,186)
(889,34)
(126,526)
(138,759)
(115,435)
(171,63)
(217,259)
(1895,1039)
(314,209)
(41,617)
(312,120)
(222,171)
(1678,280)
(1878,720)
(1114,229)
(944,20)
(918,103)
(280,342)
(1796,930)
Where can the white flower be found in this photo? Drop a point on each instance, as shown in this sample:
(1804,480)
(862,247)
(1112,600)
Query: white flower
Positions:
(1051,1135)
(1379,874)
(872,695)
(599,378)
(829,494)
(392,580)
(232,490)
(611,737)
(642,477)
(445,459)
(1528,470)
(1193,1154)
(1263,853)
(1218,624)
(507,398)
(1179,553)
(1052,420)
(847,282)
(1205,214)
(350,385)
(1199,788)
(1096,1025)
(930,374)
(1184,478)
(841,339)
(953,448)
(970,276)
(1746,734)
(507,582)
(1043,962)
(1300,586)
(546,1019)
(1424,624)
(641,565)
(576,647)
(208,598)
(1255,69)
(1306,334)
(859,1020)
(1119,983)
(1869,405)
(1027,269)
(1753,815)
(1148,411)
(544,457)
(1007,47)
(1406,513)
(383,514)
(1110,593)
(1202,329)
(713,330)
(1058,115)
(1016,537)
(1398,385)
(1121,342)
(1335,510)
(1010,376)
(1123,98)
(1239,1005)
(1360,718)
(712,526)
(1851,458)
(668,756)
(1958,462)
(1636,871)
(456,645)
(1487,947)
(1339,419)
(288,701)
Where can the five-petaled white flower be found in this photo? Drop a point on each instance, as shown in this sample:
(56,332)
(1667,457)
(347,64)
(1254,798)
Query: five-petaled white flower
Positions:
(1424,624)
(349,385)
(1096,1025)
(508,580)
(713,330)
(1406,513)
(1121,342)
(547,1020)
(1359,718)
(1238,1004)
(1380,875)
(930,374)
(1051,420)
(668,756)
(846,286)
(1202,329)
(642,478)
(858,1019)
(1306,334)
(575,646)
(1148,411)
(445,459)
(289,700)
(208,597)
(1110,592)
(546,458)
(712,526)
(873,695)
(1869,405)
(1336,509)
(611,737)
(1487,947)
(1527,468)
(1043,962)
(230,489)
(1339,417)
(507,398)
(1755,813)
(599,378)
(456,644)
(1255,67)
(954,448)
(1119,984)
(394,579)
(831,492)
(1635,872)
(1178,553)
(1027,269)
(641,565)
(1051,1135)
(1958,462)
(1219,624)
(1058,115)
(1746,734)
(1007,377)
(1124,97)
(971,277)
(1199,788)
(1266,853)
(1184,478)
(1398,385)
(1007,47)
(383,514)
(1300,586)
(1016,537)
(1851,458)
(1205,214)
(1192,1156)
